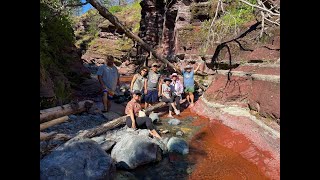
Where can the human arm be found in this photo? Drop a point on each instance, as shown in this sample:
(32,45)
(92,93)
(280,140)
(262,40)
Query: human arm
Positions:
(197,68)
(133,121)
(132,82)
(160,87)
(145,86)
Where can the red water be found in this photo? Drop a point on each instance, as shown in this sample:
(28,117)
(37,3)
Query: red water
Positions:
(213,157)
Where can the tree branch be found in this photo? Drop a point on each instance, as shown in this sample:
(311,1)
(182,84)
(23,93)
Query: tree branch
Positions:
(264,9)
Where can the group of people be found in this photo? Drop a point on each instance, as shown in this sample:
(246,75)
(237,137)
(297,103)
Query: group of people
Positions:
(149,85)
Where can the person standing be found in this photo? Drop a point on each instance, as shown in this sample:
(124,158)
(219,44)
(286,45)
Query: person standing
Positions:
(138,80)
(108,77)
(177,89)
(152,86)
(188,82)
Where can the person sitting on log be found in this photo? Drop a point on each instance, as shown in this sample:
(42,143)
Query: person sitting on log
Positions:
(132,111)
(166,93)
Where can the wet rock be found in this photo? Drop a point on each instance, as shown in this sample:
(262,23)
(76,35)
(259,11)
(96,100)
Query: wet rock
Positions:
(179,133)
(111,115)
(125,175)
(72,116)
(154,117)
(99,139)
(144,132)
(78,160)
(135,150)
(107,145)
(178,145)
(174,122)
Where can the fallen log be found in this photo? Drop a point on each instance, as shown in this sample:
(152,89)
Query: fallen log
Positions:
(54,135)
(104,12)
(48,124)
(72,108)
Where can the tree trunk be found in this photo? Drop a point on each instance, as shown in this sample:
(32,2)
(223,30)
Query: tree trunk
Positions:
(103,11)
(53,122)
(56,112)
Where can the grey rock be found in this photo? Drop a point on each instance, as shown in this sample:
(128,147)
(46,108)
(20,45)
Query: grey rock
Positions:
(178,145)
(125,175)
(154,117)
(107,145)
(174,122)
(82,159)
(143,132)
(135,150)
(72,116)
(99,139)
(179,133)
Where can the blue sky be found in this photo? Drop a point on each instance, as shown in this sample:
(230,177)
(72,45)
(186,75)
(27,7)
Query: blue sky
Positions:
(86,7)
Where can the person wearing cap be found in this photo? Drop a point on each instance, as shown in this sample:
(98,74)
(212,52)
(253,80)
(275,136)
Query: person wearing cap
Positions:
(138,80)
(152,86)
(166,93)
(132,111)
(108,77)
(188,82)
(177,89)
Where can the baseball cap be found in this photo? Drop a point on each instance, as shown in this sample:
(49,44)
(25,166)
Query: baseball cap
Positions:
(174,74)
(167,79)
(137,92)
(188,67)
(155,64)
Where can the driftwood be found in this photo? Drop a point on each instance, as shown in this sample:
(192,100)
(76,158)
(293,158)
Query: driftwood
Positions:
(53,122)
(103,11)
(54,135)
(72,108)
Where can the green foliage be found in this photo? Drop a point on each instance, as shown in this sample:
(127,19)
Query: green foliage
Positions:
(239,13)
(115,9)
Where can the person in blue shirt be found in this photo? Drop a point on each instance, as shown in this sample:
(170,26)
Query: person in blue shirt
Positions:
(188,82)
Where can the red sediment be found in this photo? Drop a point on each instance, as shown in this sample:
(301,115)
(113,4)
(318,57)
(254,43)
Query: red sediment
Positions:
(218,153)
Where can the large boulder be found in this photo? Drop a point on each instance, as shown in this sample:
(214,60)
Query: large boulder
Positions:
(82,159)
(135,150)
(178,145)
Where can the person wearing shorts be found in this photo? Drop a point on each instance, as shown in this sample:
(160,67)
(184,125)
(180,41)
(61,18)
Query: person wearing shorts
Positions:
(152,86)
(188,83)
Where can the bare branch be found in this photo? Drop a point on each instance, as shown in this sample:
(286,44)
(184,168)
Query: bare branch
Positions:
(262,24)
(264,9)
(272,21)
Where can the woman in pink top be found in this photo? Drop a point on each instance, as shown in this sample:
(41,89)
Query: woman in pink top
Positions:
(177,89)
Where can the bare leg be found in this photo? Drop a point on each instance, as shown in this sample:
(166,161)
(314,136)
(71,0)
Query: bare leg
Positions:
(155,134)
(170,114)
(192,99)
(188,98)
(105,101)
